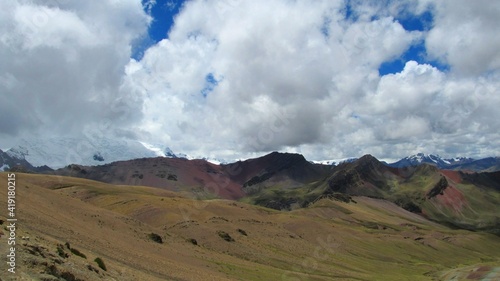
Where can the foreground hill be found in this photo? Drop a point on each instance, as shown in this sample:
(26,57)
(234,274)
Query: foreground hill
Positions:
(144,233)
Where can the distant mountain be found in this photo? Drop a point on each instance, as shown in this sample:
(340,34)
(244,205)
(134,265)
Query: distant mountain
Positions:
(490,164)
(198,177)
(454,198)
(60,152)
(285,181)
(436,160)
(335,161)
(285,169)
(8,163)
(458,163)
(465,200)
(203,178)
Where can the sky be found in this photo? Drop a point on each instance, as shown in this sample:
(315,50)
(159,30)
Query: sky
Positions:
(235,79)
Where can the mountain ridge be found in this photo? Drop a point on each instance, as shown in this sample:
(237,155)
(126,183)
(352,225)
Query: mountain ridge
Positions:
(458,163)
(60,152)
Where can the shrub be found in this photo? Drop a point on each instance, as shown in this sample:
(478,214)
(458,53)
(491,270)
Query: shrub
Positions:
(242,232)
(60,251)
(78,253)
(224,235)
(193,241)
(156,238)
(101,264)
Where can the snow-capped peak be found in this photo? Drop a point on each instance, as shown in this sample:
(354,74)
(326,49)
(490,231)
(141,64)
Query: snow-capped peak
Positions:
(215,161)
(4,167)
(60,152)
(159,151)
(420,158)
(335,161)
(19,152)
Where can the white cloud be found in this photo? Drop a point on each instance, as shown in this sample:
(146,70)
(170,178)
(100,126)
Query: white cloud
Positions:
(291,75)
(466,35)
(63,63)
(283,80)
(148,5)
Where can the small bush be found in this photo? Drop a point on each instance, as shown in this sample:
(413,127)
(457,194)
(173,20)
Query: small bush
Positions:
(60,251)
(101,264)
(242,232)
(137,175)
(156,238)
(78,253)
(224,235)
(91,268)
(193,241)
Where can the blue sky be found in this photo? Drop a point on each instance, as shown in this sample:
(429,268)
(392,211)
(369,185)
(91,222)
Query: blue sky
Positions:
(416,52)
(164,12)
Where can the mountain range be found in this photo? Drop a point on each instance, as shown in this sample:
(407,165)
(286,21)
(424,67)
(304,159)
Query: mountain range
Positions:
(460,192)
(285,181)
(256,219)
(60,152)
(458,163)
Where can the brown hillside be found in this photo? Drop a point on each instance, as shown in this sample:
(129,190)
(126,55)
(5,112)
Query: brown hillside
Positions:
(225,240)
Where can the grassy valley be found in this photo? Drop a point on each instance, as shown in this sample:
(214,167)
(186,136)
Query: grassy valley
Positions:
(145,233)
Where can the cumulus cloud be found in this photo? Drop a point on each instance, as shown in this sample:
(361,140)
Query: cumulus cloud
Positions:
(63,63)
(240,78)
(281,81)
(465,35)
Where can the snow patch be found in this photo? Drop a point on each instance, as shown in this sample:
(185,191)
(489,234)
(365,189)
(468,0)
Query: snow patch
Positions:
(60,152)
(335,161)
(4,167)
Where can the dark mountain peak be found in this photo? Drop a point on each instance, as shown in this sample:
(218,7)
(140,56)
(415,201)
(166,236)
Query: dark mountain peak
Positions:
(276,167)
(285,155)
(367,164)
(366,176)
(368,158)
(277,161)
